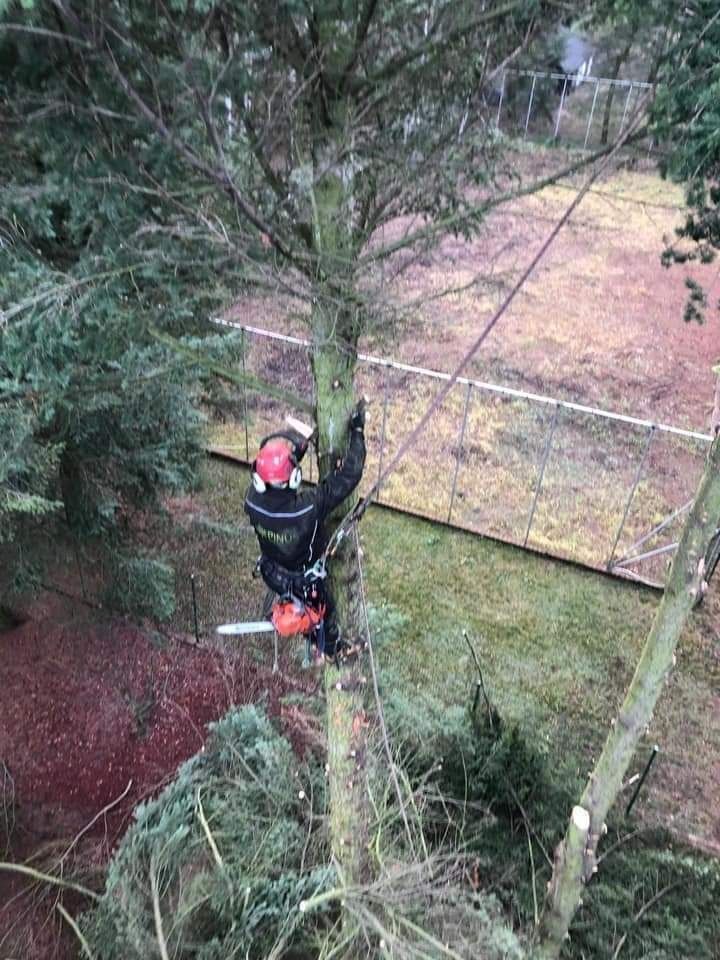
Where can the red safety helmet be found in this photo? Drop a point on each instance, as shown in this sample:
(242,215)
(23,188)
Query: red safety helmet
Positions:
(276,464)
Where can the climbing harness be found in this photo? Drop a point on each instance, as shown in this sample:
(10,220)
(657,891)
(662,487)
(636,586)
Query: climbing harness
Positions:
(299,607)
(318,571)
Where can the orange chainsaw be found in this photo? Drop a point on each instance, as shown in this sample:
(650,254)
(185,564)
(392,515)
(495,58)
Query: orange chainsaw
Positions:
(288,618)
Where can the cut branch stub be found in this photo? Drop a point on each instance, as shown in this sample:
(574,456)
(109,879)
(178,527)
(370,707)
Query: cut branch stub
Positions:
(568,875)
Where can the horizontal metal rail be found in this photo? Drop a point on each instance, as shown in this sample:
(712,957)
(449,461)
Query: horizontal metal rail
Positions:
(481,384)
(646,556)
(581,78)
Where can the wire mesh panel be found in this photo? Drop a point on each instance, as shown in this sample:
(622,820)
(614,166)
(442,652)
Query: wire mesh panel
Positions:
(589,475)
(614,107)
(374,382)
(422,482)
(581,110)
(283,364)
(499,460)
(518,103)
(545,102)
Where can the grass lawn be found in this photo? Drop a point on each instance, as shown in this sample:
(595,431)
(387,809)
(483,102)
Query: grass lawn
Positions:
(558,645)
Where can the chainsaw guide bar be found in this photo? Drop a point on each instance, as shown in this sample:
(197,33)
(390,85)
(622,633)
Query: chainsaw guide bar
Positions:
(238,629)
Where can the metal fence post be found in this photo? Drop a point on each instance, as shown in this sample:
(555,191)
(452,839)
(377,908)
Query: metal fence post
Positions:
(636,481)
(530,103)
(592,114)
(560,108)
(194,607)
(641,781)
(458,455)
(500,102)
(382,433)
(245,408)
(543,462)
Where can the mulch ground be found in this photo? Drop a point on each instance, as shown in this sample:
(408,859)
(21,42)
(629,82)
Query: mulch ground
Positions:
(90,713)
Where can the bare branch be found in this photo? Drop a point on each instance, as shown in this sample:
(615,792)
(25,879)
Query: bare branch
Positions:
(157,915)
(470,213)
(220,176)
(43,32)
(361,32)
(75,929)
(431,45)
(41,877)
(642,911)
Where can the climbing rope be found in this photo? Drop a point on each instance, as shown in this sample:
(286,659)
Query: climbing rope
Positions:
(376,692)
(357,511)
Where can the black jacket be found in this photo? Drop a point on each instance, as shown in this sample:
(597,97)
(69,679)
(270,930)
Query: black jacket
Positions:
(289,523)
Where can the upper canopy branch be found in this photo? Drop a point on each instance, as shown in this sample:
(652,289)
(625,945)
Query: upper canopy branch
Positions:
(220,175)
(469,213)
(361,32)
(435,43)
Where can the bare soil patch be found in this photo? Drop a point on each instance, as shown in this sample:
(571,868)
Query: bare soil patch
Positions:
(601,320)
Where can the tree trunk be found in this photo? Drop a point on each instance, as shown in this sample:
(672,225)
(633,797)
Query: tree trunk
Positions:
(568,865)
(336,327)
(575,865)
(333,370)
(619,61)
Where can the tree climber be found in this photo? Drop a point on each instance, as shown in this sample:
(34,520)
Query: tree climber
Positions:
(289,522)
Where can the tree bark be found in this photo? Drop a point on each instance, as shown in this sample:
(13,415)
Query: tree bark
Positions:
(333,369)
(567,867)
(574,865)
(619,61)
(336,326)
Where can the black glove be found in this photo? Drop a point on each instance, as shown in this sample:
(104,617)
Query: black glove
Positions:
(300,444)
(357,420)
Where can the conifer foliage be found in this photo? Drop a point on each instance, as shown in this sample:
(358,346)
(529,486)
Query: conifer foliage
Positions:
(269,144)
(96,415)
(687,118)
(218,864)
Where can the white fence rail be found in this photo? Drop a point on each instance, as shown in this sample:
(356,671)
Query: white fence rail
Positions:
(571,480)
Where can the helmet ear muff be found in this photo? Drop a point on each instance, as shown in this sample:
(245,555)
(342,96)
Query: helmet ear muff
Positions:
(295,478)
(257,481)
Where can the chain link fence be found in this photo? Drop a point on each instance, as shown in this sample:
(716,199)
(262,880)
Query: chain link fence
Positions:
(602,489)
